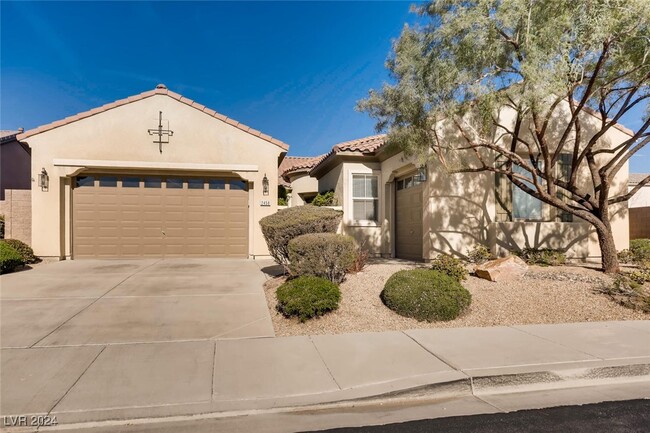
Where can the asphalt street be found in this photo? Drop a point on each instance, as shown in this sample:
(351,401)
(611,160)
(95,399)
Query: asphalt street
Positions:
(612,417)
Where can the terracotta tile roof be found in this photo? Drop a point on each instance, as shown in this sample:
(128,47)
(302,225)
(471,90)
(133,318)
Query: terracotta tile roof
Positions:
(365,145)
(160,89)
(292,164)
(635,178)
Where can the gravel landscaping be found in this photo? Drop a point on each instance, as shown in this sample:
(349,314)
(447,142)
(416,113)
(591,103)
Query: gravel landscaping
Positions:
(544,295)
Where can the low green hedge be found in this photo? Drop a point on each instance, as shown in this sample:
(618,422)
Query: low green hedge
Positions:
(424,294)
(10,259)
(326,255)
(307,297)
(23,249)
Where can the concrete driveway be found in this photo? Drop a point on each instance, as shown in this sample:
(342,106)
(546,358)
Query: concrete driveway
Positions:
(85,302)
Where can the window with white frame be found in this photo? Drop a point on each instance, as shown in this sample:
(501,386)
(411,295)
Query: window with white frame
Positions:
(365,197)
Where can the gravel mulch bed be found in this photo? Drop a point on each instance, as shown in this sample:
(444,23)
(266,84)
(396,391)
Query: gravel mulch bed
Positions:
(544,295)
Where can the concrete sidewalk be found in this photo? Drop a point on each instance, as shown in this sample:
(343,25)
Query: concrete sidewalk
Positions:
(147,380)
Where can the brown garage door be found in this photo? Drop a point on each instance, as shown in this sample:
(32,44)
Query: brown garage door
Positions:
(156,216)
(408,217)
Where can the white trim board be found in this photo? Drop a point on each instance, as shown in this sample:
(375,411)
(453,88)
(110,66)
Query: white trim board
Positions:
(95,163)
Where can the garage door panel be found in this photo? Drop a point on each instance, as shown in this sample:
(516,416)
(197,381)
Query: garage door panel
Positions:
(154,222)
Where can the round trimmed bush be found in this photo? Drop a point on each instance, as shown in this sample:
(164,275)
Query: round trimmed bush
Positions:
(307,297)
(424,294)
(325,255)
(10,259)
(278,229)
(23,249)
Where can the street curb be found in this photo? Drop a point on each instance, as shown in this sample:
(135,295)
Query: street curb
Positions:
(428,393)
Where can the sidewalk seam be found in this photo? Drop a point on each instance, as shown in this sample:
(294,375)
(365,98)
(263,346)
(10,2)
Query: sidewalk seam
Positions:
(555,342)
(76,381)
(92,303)
(441,359)
(324,363)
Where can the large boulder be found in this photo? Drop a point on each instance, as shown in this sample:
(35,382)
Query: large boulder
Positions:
(506,268)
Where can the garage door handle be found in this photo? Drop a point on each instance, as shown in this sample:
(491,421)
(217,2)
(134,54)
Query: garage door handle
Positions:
(163,232)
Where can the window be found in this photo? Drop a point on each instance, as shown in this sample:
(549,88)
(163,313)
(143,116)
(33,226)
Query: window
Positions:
(365,197)
(108,181)
(409,182)
(217,184)
(174,183)
(152,182)
(239,185)
(85,181)
(512,202)
(195,183)
(130,182)
(524,205)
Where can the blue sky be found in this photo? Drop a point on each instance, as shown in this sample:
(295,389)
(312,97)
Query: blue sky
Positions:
(293,70)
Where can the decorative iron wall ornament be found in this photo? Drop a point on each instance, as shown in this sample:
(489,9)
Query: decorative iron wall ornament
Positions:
(160,132)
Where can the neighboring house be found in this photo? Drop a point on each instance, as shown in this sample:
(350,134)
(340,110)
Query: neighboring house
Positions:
(15,163)
(639,207)
(294,176)
(15,185)
(152,175)
(397,207)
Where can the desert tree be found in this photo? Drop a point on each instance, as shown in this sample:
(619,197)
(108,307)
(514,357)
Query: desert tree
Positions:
(533,90)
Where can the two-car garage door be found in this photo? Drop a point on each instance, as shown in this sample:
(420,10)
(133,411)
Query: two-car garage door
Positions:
(159,216)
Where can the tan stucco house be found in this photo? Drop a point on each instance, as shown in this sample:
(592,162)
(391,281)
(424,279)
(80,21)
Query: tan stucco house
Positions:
(396,206)
(155,174)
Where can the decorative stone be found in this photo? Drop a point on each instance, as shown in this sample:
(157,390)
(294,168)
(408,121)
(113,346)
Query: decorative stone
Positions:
(506,268)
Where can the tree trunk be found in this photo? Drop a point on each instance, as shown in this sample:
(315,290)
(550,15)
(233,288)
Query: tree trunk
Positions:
(607,247)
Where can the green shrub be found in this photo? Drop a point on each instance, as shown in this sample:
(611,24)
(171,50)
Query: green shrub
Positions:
(278,229)
(542,256)
(325,199)
(424,294)
(23,249)
(2,226)
(450,266)
(479,254)
(10,259)
(307,296)
(639,252)
(641,276)
(282,201)
(325,255)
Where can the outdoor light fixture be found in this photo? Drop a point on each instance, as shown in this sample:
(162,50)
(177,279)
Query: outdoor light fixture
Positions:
(265,185)
(43,180)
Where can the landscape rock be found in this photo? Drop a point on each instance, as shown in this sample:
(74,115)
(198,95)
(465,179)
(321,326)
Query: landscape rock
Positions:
(506,268)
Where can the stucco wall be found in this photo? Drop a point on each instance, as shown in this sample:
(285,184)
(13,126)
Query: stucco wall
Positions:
(301,184)
(641,198)
(120,134)
(17,210)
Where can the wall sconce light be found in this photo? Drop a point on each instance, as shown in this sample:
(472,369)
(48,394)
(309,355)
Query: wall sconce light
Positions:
(265,185)
(43,180)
